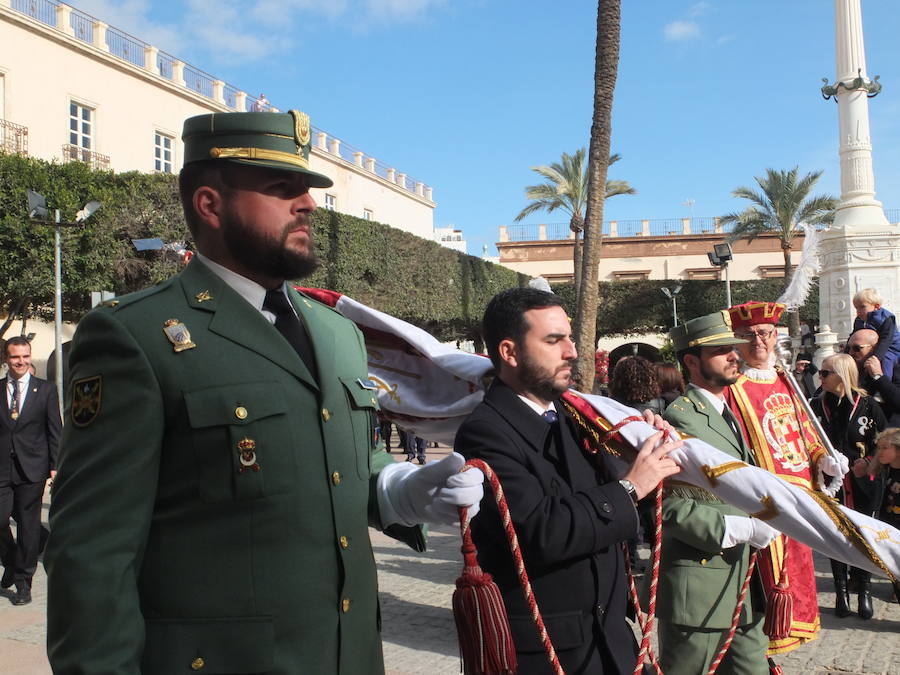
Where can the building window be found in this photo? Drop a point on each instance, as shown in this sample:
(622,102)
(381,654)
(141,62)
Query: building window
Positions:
(631,275)
(772,271)
(162,152)
(330,201)
(81,126)
(367,214)
(705,273)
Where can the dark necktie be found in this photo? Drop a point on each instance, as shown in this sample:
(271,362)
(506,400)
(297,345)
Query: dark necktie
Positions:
(14,399)
(289,325)
(732,422)
(550,416)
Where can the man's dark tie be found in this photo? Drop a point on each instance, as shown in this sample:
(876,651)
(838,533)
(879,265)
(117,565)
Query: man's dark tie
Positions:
(290,326)
(550,416)
(14,399)
(732,422)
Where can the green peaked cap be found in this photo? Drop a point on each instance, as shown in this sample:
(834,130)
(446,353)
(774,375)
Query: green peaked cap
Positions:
(712,330)
(263,139)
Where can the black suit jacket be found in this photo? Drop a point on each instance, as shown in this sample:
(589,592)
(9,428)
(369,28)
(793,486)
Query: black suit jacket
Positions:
(34,436)
(570,521)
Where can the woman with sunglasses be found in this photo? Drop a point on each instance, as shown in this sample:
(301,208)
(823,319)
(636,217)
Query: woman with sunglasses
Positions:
(852,420)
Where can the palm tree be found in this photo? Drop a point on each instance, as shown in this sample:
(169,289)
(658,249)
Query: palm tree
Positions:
(606,68)
(780,205)
(566,189)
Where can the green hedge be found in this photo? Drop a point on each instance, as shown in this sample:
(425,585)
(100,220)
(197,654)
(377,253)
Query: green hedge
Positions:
(431,286)
(420,281)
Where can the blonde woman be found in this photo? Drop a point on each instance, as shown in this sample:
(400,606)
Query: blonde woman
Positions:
(852,420)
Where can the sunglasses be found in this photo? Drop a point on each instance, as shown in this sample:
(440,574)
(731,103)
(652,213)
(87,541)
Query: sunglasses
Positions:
(858,348)
(823,373)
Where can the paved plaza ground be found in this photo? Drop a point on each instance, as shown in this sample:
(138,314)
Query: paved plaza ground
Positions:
(420,637)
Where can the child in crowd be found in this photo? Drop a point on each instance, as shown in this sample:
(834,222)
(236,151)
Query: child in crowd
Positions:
(884,472)
(870,314)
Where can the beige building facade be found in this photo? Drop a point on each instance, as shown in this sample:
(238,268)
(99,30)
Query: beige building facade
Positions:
(75,89)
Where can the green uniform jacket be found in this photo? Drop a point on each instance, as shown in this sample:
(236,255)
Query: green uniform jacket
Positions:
(699,583)
(166,557)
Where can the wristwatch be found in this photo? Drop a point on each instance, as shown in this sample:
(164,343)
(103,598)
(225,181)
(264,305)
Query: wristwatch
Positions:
(630,489)
(877,377)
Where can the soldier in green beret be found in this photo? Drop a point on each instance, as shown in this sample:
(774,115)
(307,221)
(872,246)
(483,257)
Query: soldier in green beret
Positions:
(218,473)
(706,543)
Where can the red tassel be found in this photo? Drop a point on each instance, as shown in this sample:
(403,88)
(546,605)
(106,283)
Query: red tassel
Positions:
(779,612)
(780,609)
(485,640)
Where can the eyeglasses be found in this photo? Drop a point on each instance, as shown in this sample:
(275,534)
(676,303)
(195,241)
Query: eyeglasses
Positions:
(752,335)
(823,373)
(858,348)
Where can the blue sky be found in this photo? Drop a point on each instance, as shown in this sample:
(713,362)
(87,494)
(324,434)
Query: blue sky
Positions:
(467,95)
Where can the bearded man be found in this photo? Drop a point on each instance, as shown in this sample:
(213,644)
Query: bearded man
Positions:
(785,443)
(570,513)
(218,470)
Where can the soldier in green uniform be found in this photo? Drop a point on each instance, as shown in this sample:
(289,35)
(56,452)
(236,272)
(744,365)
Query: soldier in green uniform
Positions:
(706,543)
(218,472)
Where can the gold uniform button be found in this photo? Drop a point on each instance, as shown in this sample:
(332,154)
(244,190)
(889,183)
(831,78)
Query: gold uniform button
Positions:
(703,561)
(326,415)
(197,664)
(345,543)
(240,412)
(336,478)
(345,605)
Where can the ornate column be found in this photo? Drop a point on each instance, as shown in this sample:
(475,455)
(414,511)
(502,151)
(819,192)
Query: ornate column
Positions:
(861,249)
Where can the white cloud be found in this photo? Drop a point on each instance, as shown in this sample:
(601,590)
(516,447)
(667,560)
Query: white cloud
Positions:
(132,16)
(680,31)
(698,9)
(391,11)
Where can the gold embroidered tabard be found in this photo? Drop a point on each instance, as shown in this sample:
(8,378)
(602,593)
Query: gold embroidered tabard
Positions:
(785,443)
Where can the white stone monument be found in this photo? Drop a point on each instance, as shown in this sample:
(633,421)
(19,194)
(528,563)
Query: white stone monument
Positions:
(861,249)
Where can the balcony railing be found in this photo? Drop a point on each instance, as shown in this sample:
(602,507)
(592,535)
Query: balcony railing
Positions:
(75,153)
(13,138)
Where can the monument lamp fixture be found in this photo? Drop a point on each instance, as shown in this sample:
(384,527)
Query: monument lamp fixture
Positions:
(859,83)
(720,256)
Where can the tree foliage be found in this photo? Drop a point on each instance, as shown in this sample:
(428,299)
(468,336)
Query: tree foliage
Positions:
(780,205)
(431,286)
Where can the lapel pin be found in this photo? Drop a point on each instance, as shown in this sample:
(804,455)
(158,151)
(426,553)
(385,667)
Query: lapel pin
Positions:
(203,296)
(178,335)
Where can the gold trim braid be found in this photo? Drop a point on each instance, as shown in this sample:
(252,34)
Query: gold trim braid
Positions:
(710,338)
(849,530)
(259,153)
(713,473)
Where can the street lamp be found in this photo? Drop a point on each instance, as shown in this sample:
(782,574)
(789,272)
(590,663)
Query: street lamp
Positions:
(672,293)
(720,256)
(38,211)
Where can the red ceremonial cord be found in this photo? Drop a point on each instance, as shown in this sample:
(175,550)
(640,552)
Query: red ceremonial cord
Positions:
(736,617)
(516,551)
(644,621)
(646,624)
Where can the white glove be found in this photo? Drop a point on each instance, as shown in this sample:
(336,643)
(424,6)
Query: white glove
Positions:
(746,530)
(433,493)
(834,467)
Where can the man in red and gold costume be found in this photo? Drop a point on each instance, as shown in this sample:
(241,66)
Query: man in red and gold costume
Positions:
(785,443)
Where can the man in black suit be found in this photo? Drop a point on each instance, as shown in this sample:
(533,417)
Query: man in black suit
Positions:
(29,439)
(570,513)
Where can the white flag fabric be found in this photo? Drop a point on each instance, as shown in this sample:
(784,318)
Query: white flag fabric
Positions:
(429,388)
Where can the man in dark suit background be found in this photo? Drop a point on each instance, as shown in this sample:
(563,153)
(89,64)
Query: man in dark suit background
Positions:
(29,439)
(570,513)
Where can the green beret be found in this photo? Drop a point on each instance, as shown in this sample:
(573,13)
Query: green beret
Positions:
(712,330)
(264,139)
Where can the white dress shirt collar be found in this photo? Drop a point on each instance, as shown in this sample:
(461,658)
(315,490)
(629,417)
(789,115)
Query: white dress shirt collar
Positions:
(716,401)
(249,290)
